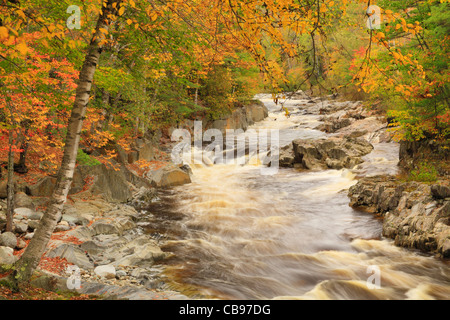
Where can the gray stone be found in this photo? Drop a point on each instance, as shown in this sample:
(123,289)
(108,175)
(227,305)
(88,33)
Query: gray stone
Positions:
(143,255)
(21,200)
(7,255)
(82,233)
(61,228)
(21,244)
(43,188)
(121,273)
(21,227)
(105,226)
(27,213)
(75,219)
(8,239)
(72,254)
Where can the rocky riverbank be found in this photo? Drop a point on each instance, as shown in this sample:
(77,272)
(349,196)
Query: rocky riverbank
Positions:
(101,229)
(416,215)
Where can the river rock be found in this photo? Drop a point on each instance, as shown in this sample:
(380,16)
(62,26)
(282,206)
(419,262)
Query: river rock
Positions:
(7,255)
(8,239)
(21,227)
(168,177)
(143,197)
(332,153)
(27,213)
(412,215)
(106,271)
(138,252)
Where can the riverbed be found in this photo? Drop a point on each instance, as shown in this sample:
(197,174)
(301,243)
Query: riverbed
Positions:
(238,234)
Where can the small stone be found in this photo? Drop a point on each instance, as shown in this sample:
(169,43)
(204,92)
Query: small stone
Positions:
(21,244)
(29,236)
(121,273)
(61,227)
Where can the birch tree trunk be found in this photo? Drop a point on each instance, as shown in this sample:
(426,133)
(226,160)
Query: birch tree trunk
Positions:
(10,186)
(30,259)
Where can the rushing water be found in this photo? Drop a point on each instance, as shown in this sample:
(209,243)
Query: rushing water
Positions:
(237,234)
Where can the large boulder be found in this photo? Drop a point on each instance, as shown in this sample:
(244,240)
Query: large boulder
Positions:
(169,177)
(42,188)
(332,153)
(109,183)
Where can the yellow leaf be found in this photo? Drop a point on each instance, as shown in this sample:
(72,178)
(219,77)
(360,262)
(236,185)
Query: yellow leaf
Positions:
(21,14)
(132,4)
(3,33)
(121,11)
(103,30)
(129,21)
(22,48)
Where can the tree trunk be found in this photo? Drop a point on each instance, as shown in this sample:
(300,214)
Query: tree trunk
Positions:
(10,186)
(21,166)
(30,259)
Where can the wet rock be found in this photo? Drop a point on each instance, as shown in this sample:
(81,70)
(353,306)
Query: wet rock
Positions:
(143,197)
(332,153)
(287,156)
(8,239)
(168,177)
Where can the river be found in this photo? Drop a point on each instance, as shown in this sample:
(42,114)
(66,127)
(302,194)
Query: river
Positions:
(238,234)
